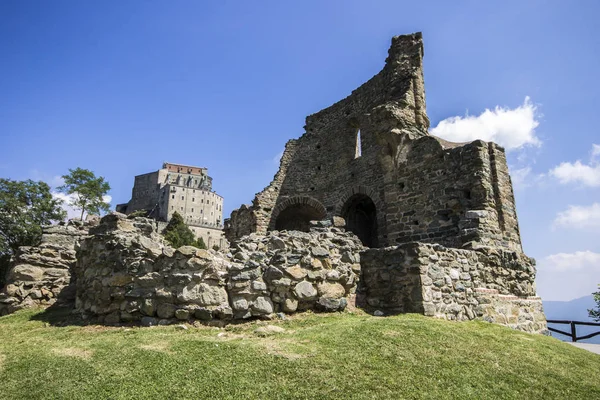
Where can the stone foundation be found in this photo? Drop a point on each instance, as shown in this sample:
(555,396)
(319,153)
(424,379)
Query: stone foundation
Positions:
(492,284)
(41,275)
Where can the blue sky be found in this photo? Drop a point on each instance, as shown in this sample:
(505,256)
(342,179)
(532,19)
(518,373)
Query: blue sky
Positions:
(120,87)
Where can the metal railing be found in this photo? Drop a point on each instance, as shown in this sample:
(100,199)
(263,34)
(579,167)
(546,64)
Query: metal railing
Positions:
(573,333)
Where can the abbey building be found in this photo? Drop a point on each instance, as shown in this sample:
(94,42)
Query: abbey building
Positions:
(184,189)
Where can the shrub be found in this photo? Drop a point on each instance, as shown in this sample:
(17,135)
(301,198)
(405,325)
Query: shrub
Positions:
(178,234)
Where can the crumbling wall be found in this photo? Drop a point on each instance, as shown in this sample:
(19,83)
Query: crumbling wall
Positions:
(126,272)
(371,152)
(41,275)
(496,285)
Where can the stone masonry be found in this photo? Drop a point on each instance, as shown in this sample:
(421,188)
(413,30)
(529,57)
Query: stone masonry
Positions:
(370,160)
(41,275)
(126,272)
(439,217)
(366,205)
(496,285)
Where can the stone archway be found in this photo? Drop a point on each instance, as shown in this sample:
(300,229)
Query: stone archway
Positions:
(347,206)
(295,213)
(360,214)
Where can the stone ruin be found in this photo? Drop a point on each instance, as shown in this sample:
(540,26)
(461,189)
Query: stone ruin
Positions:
(367,209)
(126,272)
(439,217)
(41,275)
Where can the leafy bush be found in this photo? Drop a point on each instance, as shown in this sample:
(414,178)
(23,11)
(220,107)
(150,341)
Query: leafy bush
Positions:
(178,234)
(200,243)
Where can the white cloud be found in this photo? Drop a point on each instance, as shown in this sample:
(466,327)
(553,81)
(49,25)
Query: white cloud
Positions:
(573,261)
(579,217)
(578,172)
(523,178)
(567,276)
(72,212)
(511,128)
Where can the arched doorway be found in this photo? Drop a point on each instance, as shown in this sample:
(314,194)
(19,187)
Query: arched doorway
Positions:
(360,214)
(297,217)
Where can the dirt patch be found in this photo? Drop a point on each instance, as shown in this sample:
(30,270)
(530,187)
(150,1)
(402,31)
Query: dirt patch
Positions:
(98,328)
(161,347)
(75,352)
(281,348)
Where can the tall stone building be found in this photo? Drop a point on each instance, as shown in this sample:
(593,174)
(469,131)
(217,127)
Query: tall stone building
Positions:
(439,217)
(185,189)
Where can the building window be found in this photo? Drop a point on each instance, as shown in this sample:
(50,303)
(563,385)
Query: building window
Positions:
(192,210)
(358,151)
(182,197)
(201,211)
(181,208)
(202,201)
(172,196)
(172,207)
(193,199)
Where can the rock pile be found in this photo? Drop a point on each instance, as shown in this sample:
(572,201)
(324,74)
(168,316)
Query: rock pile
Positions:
(292,271)
(41,275)
(126,272)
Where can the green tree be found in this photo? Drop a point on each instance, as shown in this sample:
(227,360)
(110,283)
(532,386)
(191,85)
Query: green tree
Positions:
(178,234)
(200,243)
(595,313)
(87,190)
(24,207)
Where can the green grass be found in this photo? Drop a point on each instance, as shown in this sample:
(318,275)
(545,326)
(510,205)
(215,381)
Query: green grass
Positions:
(318,356)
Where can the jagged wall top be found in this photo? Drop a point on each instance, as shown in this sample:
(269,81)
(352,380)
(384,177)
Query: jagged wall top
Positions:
(399,85)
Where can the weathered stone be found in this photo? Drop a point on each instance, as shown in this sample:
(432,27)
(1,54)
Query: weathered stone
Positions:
(319,252)
(259,286)
(26,273)
(148,307)
(166,310)
(182,314)
(331,290)
(276,243)
(290,305)
(305,291)
(239,304)
(262,305)
(296,272)
(331,304)
(203,294)
(203,314)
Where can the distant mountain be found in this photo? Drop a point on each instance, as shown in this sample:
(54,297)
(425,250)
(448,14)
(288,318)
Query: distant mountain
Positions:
(574,310)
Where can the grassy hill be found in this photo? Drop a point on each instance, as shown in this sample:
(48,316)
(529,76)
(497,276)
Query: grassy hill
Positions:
(317,356)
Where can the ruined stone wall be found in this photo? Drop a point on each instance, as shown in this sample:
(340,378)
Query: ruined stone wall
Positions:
(41,275)
(496,285)
(372,151)
(126,272)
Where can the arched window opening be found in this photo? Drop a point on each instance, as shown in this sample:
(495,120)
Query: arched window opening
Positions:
(358,151)
(297,217)
(361,218)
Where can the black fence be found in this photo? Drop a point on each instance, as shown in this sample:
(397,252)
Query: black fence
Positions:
(573,333)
